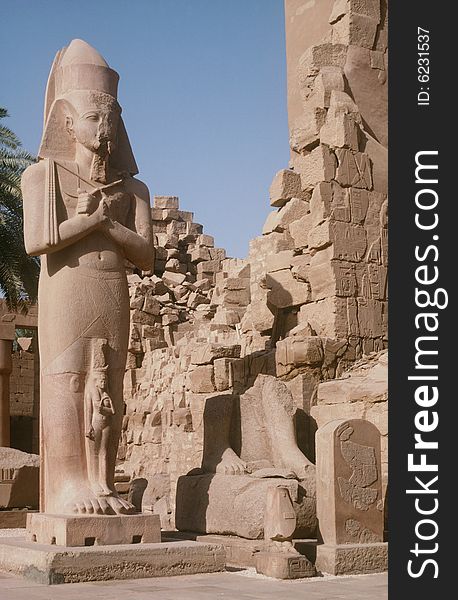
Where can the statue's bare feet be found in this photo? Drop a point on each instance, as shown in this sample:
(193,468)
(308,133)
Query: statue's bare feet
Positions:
(295,460)
(90,503)
(231,464)
(119,505)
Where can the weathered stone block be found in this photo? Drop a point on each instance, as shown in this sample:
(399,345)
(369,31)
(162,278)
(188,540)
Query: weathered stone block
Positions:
(92,530)
(284,565)
(201,379)
(285,185)
(166,202)
(356,30)
(285,290)
(299,231)
(315,167)
(305,132)
(19,474)
(353,169)
(349,485)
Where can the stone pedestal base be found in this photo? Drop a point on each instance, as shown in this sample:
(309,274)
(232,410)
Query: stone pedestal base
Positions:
(284,565)
(93,530)
(352,559)
(51,564)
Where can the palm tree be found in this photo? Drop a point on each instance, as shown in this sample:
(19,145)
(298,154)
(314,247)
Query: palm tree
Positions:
(18,272)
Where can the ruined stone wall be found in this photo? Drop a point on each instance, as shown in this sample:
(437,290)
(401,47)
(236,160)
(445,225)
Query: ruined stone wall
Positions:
(310,298)
(22,383)
(24,396)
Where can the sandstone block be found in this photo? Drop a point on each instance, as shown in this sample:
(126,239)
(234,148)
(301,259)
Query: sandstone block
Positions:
(305,132)
(205,240)
(353,169)
(339,9)
(199,253)
(299,231)
(201,379)
(340,131)
(172,279)
(223,374)
(285,290)
(328,317)
(356,30)
(143,318)
(207,353)
(352,559)
(330,277)
(57,565)
(349,492)
(329,79)
(349,241)
(90,530)
(316,57)
(293,352)
(217,253)
(284,565)
(166,202)
(209,266)
(315,167)
(19,474)
(151,305)
(369,8)
(285,185)
(279,261)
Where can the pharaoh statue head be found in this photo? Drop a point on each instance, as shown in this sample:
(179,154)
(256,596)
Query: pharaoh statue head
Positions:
(81,107)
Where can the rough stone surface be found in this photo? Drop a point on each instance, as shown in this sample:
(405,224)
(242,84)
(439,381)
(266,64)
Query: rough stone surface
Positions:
(348,559)
(235,505)
(283,565)
(349,498)
(50,565)
(19,475)
(92,530)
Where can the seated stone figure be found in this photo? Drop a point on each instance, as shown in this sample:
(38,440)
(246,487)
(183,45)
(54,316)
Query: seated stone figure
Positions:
(249,447)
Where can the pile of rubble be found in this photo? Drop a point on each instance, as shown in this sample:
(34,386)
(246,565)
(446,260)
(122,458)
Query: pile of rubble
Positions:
(186,264)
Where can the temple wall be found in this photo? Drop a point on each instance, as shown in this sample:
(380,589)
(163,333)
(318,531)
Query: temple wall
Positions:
(310,299)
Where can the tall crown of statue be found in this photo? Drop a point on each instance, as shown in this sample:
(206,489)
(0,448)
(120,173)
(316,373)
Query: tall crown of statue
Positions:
(79,67)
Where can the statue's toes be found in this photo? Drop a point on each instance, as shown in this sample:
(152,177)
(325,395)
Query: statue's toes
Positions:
(96,508)
(105,508)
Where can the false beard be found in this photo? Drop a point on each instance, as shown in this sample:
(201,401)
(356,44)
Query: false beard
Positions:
(99,166)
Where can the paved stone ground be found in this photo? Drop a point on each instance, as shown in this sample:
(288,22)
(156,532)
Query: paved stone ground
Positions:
(240,585)
(234,585)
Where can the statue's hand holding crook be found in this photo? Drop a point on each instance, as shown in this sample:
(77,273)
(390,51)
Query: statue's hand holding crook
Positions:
(87,203)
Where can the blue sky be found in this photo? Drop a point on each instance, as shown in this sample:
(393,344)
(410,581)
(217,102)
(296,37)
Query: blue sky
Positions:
(203,91)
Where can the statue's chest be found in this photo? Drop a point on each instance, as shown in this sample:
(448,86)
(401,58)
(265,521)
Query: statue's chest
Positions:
(117,199)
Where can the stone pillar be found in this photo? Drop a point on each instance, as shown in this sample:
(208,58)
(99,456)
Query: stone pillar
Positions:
(349,498)
(7,332)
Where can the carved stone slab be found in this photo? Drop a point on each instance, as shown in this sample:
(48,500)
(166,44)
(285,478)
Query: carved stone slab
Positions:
(53,565)
(349,485)
(349,498)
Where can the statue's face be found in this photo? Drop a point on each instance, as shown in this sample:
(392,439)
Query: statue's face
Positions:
(94,120)
(100,379)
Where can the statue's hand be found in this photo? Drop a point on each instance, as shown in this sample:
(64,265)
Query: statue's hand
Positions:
(87,203)
(101,214)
